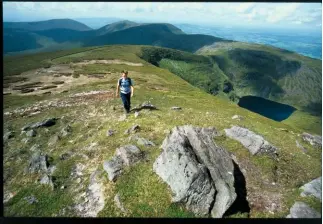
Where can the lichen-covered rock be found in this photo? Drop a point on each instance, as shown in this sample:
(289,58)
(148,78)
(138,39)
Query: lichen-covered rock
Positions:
(195,167)
(113,167)
(313,188)
(256,144)
(314,140)
(302,210)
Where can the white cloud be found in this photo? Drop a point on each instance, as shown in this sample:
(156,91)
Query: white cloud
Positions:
(281,12)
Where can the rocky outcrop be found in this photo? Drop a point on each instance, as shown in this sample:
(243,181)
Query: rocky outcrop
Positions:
(45,123)
(124,156)
(313,188)
(256,144)
(314,140)
(93,202)
(302,210)
(38,163)
(195,168)
(145,105)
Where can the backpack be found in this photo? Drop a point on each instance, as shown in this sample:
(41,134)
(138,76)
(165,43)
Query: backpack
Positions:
(127,78)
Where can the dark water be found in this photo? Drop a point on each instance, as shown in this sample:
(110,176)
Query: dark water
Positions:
(270,109)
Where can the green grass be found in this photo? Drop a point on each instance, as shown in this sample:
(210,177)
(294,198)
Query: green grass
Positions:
(143,193)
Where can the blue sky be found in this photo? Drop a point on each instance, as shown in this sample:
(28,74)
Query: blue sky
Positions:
(283,15)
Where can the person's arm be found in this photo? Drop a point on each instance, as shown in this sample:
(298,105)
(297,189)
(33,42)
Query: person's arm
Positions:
(118,89)
(132,89)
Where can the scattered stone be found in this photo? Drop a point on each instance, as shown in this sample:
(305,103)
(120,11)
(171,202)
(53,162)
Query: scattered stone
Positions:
(38,163)
(77,170)
(31,199)
(313,188)
(47,180)
(122,117)
(301,147)
(302,210)
(133,129)
(119,203)
(110,132)
(53,140)
(7,196)
(136,114)
(31,133)
(237,117)
(192,165)
(113,167)
(145,142)
(46,123)
(145,105)
(256,144)
(124,156)
(8,135)
(176,108)
(25,140)
(93,202)
(66,131)
(314,140)
(65,156)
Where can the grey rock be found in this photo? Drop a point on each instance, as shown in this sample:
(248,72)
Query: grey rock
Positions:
(66,131)
(37,163)
(45,123)
(31,199)
(122,117)
(302,210)
(31,133)
(301,147)
(53,140)
(314,140)
(7,196)
(256,144)
(189,155)
(313,188)
(113,167)
(133,129)
(237,117)
(110,132)
(8,135)
(124,156)
(145,105)
(25,140)
(77,170)
(65,156)
(175,108)
(144,142)
(94,199)
(35,147)
(130,154)
(47,180)
(136,114)
(119,203)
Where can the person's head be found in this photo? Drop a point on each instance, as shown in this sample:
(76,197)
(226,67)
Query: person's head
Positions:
(124,74)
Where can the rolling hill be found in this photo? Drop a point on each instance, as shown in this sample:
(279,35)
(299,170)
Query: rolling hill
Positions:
(47,25)
(61,133)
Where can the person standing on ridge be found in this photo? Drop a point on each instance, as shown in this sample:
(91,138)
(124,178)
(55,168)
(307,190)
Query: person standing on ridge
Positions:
(125,86)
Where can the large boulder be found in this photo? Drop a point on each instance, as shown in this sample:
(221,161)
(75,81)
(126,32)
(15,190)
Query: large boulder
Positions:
(256,144)
(302,210)
(195,167)
(314,140)
(313,188)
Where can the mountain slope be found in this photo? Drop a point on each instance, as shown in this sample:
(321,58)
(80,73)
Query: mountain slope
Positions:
(117,26)
(47,25)
(86,105)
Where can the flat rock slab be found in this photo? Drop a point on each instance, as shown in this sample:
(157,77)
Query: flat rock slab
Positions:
(314,140)
(94,199)
(256,144)
(313,188)
(45,123)
(195,168)
(124,156)
(145,105)
(302,210)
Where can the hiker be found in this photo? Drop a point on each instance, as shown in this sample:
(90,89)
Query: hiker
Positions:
(125,85)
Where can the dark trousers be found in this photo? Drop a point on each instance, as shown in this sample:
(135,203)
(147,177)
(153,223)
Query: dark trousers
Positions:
(126,101)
